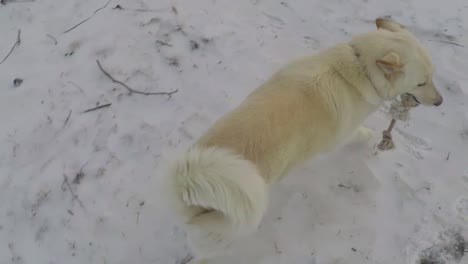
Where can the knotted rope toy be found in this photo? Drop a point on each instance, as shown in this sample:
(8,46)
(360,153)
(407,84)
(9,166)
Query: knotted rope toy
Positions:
(399,110)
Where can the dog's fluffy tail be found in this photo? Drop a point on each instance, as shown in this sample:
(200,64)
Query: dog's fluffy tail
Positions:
(218,194)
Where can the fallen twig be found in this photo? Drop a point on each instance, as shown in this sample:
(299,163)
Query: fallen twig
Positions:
(344,186)
(17,43)
(94,13)
(68,118)
(292,10)
(52,37)
(119,7)
(77,87)
(448,42)
(79,176)
(361,253)
(278,251)
(168,94)
(163,43)
(96,108)
(74,196)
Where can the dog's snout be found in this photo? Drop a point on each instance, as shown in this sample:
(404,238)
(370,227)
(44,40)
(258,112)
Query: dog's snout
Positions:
(439,101)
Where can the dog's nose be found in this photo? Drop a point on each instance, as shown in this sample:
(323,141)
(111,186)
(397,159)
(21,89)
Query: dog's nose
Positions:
(439,101)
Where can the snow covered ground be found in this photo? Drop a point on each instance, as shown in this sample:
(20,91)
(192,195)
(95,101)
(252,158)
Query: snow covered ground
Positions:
(82,187)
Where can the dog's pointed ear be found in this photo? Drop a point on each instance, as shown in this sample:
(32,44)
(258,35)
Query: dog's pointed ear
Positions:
(390,63)
(389,25)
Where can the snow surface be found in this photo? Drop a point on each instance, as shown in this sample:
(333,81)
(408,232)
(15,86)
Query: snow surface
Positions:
(83,187)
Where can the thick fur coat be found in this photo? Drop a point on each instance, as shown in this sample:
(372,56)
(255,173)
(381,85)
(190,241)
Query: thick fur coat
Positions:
(219,187)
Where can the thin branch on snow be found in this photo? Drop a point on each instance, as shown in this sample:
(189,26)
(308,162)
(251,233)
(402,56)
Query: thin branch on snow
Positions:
(94,13)
(79,176)
(448,42)
(77,87)
(96,108)
(278,251)
(52,37)
(119,7)
(68,118)
(74,196)
(168,94)
(344,186)
(17,43)
(361,253)
(162,43)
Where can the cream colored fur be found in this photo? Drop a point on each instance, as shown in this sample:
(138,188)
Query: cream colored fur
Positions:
(219,186)
(218,194)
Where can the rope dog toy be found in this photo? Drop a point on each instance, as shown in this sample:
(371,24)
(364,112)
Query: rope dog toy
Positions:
(399,110)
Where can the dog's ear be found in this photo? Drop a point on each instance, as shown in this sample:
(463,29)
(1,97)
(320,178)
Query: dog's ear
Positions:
(389,25)
(390,64)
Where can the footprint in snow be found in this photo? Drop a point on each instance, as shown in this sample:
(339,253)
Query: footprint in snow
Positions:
(465,178)
(461,207)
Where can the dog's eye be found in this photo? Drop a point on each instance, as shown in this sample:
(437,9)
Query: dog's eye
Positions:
(422,84)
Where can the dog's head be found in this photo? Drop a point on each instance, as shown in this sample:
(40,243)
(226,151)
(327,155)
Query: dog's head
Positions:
(397,63)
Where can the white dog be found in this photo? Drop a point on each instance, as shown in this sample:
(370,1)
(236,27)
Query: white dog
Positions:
(219,187)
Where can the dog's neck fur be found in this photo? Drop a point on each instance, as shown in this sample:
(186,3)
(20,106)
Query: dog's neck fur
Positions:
(372,96)
(359,75)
